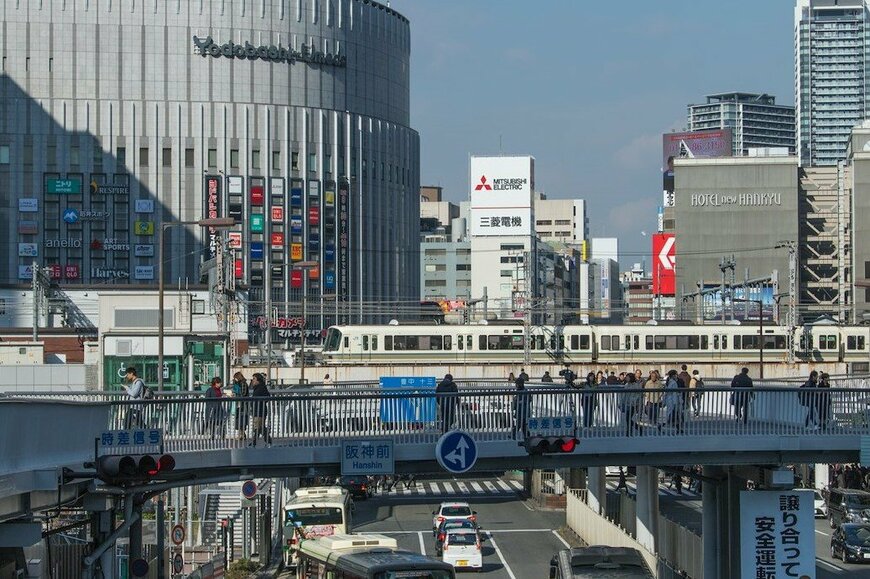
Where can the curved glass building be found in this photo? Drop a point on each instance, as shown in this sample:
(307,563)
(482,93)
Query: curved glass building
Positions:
(292,116)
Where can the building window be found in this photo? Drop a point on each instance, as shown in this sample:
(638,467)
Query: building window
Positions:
(73,156)
(143,156)
(312,162)
(198,306)
(4,154)
(327,163)
(121,157)
(167,157)
(276,160)
(212,157)
(234,158)
(255,159)
(2,306)
(463,267)
(436,283)
(294,161)
(188,158)
(507,273)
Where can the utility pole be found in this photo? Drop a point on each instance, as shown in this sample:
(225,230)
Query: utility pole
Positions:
(725,265)
(527,352)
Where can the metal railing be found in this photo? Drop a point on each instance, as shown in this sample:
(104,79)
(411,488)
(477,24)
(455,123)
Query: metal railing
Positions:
(315,418)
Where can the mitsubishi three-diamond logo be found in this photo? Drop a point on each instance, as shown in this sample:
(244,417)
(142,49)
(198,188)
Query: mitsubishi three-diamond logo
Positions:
(483,184)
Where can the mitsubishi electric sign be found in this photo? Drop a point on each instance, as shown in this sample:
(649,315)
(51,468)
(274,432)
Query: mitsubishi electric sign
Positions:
(501,195)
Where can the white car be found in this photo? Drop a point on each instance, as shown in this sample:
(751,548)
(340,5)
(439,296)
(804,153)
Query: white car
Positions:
(462,549)
(452,511)
(821,510)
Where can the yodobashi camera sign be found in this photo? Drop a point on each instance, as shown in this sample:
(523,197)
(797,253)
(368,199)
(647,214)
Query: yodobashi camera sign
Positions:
(501,195)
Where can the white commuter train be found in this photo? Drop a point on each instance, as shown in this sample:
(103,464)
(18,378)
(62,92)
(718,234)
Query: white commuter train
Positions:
(584,344)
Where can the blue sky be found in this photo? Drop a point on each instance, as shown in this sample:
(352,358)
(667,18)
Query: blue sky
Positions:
(586,87)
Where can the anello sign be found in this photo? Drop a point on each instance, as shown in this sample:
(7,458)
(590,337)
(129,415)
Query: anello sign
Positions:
(207,47)
(63,242)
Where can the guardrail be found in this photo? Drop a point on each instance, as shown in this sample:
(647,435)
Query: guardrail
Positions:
(317,418)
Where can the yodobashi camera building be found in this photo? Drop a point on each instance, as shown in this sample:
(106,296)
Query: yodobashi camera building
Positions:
(293,117)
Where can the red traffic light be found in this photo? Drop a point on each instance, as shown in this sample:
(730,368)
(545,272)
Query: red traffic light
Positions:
(131,468)
(550,444)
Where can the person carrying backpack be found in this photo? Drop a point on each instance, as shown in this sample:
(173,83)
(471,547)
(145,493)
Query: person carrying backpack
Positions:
(696,385)
(137,390)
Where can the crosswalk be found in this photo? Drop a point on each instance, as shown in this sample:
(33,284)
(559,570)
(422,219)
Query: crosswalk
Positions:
(455,488)
(664,489)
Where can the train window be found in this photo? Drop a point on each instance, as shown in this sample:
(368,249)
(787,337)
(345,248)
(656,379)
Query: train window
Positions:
(649,342)
(637,342)
(374,342)
(429,342)
(539,341)
(605,342)
(724,342)
(627,343)
(346,342)
(775,342)
(481,341)
(460,343)
(828,342)
(469,342)
(855,342)
(506,342)
(448,342)
(365,343)
(705,342)
(715,342)
(575,342)
(388,342)
(584,342)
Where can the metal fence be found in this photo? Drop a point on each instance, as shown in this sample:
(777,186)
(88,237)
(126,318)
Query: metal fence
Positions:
(323,419)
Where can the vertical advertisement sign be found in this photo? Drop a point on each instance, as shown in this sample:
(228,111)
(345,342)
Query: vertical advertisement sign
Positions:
(664,258)
(777,534)
(501,195)
(235,197)
(343,240)
(212,210)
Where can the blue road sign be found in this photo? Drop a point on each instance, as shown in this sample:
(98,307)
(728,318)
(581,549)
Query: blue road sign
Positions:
(249,489)
(417,407)
(456,452)
(70,216)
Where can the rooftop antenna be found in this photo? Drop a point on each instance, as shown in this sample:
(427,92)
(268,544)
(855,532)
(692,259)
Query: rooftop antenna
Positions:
(500,149)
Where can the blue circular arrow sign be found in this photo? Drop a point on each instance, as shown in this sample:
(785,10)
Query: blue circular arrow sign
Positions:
(249,489)
(456,452)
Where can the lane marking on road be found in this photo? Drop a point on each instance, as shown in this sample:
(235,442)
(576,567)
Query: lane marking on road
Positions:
(476,486)
(488,531)
(501,557)
(450,489)
(831,565)
(823,533)
(528,506)
(490,487)
(422,543)
(517,485)
(462,488)
(434,487)
(503,485)
(558,536)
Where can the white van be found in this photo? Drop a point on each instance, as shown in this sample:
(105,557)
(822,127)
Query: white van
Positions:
(462,549)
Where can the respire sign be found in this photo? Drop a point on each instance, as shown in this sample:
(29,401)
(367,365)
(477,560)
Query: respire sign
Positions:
(664,258)
(501,195)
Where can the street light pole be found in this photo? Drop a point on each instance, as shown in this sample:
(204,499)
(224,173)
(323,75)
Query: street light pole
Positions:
(217,223)
(760,333)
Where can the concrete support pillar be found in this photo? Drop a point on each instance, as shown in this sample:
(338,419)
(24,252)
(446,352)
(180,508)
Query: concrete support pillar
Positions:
(711,545)
(596,485)
(648,507)
(729,519)
(136,533)
(822,476)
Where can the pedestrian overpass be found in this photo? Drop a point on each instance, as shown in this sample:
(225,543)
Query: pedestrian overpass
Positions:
(44,434)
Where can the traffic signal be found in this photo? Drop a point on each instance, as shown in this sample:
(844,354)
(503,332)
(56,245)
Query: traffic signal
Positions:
(550,444)
(129,468)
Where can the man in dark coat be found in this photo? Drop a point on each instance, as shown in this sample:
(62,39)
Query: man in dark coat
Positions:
(445,394)
(741,397)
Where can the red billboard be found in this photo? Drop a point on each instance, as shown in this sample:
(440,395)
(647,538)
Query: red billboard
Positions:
(664,261)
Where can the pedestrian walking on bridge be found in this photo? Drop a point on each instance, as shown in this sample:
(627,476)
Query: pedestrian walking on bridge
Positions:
(446,396)
(741,396)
